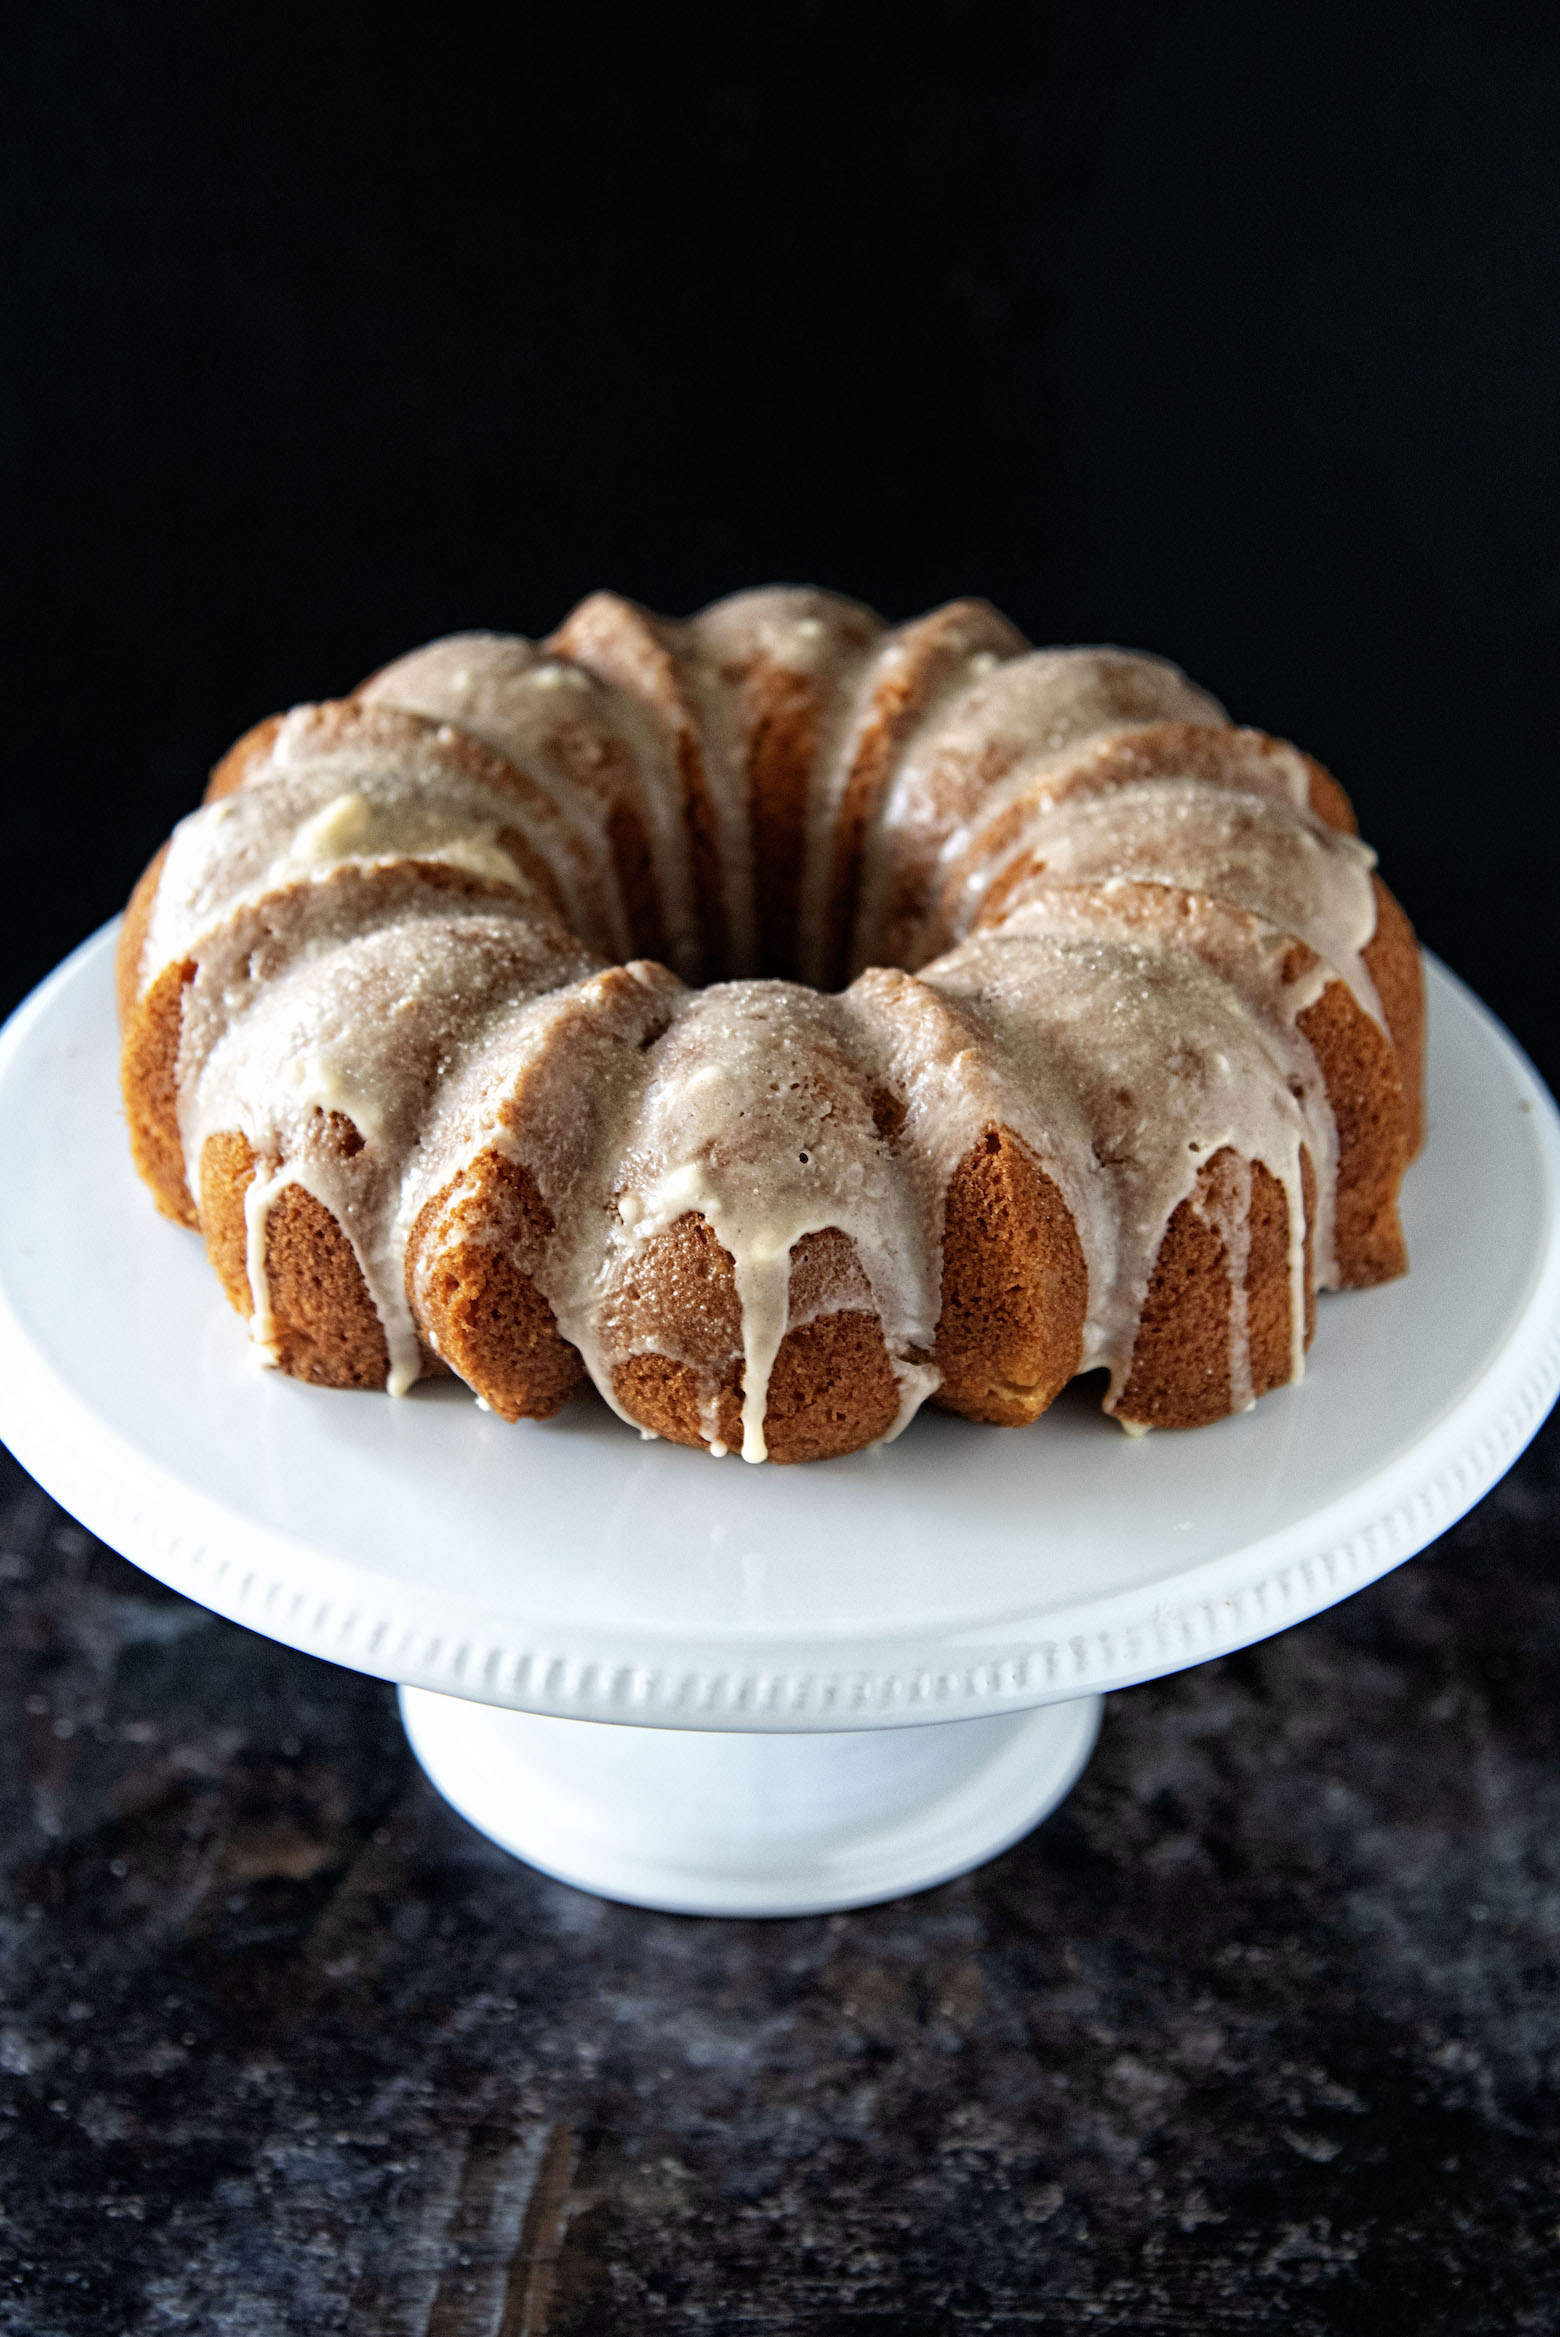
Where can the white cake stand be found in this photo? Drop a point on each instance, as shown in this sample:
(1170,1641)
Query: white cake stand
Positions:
(843,1682)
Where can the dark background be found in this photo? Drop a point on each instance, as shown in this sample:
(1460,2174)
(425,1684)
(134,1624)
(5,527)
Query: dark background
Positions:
(1221,330)
(1225,330)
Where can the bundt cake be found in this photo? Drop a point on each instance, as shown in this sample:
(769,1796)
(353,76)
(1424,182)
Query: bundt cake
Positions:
(493,1020)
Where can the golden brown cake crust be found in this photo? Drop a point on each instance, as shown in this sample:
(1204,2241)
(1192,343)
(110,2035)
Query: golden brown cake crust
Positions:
(1359,1065)
(341,723)
(1015,1289)
(673,1400)
(1180,1376)
(1394,964)
(227,1167)
(147,1065)
(470,1275)
(149,1053)
(1308,1203)
(1269,1300)
(326,1327)
(832,1389)
(1158,750)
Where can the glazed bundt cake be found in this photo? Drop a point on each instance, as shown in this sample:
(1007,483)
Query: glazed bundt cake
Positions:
(494,1021)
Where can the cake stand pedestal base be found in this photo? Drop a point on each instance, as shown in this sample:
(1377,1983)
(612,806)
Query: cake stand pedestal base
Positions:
(701,1822)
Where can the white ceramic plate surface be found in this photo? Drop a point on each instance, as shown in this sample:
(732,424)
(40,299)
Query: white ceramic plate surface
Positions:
(571,1568)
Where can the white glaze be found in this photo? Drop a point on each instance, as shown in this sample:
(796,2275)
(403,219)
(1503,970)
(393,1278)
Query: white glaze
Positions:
(587,746)
(1260,855)
(979,743)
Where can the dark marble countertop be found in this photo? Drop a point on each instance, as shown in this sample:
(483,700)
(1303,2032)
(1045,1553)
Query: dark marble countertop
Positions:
(1259,2031)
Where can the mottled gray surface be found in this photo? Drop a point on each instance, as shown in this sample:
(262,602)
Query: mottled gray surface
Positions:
(1260,2031)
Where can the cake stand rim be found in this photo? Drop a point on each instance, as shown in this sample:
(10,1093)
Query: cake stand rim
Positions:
(311,1600)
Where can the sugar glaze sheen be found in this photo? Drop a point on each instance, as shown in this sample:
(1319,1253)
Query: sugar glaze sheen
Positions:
(781,1020)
